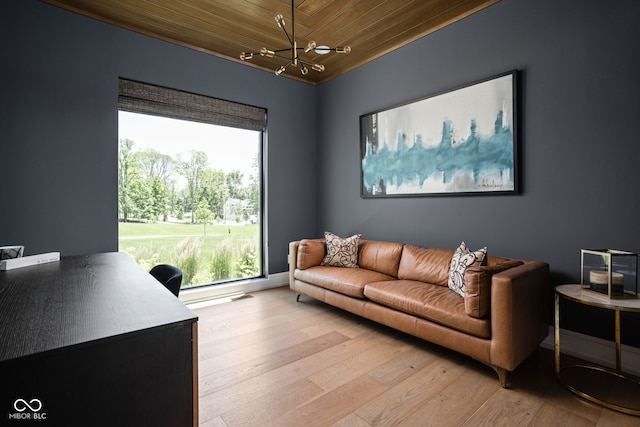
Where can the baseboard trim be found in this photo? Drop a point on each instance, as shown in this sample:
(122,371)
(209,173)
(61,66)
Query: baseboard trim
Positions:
(227,290)
(595,350)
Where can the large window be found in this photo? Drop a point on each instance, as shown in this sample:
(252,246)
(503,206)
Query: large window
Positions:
(190,183)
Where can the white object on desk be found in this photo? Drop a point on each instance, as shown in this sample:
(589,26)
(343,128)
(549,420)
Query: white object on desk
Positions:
(26,261)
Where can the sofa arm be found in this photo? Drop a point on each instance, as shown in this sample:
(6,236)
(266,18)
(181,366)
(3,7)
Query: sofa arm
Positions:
(304,254)
(293,260)
(519,313)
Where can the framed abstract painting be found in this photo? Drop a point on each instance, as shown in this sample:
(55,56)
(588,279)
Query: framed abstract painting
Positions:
(459,142)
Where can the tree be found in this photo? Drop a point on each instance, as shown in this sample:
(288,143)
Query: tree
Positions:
(159,198)
(193,171)
(142,202)
(253,191)
(234,184)
(127,173)
(173,199)
(203,214)
(155,164)
(215,191)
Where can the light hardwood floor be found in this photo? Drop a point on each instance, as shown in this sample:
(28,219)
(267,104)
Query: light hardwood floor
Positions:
(267,360)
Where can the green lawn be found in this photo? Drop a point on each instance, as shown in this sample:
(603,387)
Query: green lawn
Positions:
(156,243)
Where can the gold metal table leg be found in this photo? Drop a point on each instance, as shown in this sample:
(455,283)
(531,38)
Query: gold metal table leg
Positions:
(618,391)
(618,349)
(557,334)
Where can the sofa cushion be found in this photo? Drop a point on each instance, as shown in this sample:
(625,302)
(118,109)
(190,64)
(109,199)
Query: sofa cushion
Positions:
(431,302)
(477,297)
(425,265)
(383,257)
(347,281)
(495,260)
(341,252)
(461,260)
(310,253)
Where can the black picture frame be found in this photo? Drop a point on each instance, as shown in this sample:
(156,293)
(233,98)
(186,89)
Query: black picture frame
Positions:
(462,141)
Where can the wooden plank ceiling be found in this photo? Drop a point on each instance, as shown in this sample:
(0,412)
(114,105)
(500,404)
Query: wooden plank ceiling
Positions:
(226,28)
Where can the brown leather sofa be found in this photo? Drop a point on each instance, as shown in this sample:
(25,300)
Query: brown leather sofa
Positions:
(500,321)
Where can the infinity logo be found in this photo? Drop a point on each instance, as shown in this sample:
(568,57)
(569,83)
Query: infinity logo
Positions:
(21,405)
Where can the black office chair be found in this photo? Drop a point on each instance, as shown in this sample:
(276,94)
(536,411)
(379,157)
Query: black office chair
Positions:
(169,276)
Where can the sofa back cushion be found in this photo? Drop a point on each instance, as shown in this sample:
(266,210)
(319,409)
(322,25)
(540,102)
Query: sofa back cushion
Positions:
(425,265)
(477,280)
(310,253)
(383,257)
(495,260)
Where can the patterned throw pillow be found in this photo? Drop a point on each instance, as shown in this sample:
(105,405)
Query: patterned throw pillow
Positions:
(341,252)
(463,258)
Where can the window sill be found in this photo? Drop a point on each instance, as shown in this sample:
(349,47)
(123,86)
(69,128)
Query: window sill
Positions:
(226,290)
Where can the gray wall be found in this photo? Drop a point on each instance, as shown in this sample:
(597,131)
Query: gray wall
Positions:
(580,143)
(579,139)
(59,129)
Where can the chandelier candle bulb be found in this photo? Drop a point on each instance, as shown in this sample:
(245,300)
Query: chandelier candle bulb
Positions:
(266,52)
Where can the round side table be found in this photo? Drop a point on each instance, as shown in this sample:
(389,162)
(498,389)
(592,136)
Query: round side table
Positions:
(604,386)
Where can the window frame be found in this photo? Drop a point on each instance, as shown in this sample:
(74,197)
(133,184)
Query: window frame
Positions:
(146,98)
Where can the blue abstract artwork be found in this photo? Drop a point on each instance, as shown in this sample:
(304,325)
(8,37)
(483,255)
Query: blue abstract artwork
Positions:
(458,142)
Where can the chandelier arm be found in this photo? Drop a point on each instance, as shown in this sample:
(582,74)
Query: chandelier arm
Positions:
(288,49)
(293,27)
(295,52)
(315,67)
(275,51)
(281,69)
(286,33)
(283,57)
(331,49)
(308,64)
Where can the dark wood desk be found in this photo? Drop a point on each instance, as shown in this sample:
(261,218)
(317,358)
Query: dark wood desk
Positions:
(95,340)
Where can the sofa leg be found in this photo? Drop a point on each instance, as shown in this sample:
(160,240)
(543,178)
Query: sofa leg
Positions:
(502,376)
(298,298)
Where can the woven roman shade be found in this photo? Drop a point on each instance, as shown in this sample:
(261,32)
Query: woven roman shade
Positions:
(137,97)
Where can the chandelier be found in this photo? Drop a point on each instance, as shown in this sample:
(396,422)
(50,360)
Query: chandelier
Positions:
(295,53)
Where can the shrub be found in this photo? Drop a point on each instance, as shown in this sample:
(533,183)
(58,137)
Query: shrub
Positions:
(222,260)
(187,253)
(146,256)
(248,262)
(203,276)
